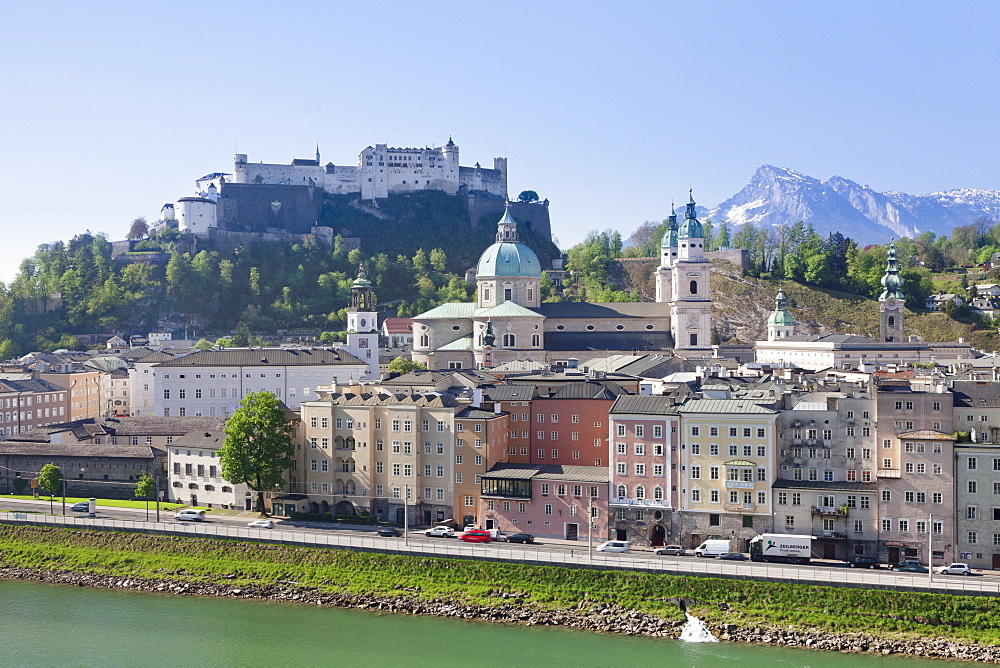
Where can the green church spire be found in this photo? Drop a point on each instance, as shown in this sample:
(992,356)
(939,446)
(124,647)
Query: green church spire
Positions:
(892,281)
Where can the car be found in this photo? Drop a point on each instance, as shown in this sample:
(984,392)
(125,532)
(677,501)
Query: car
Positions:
(441,532)
(674,550)
(955,569)
(520,538)
(190,515)
(389,532)
(613,546)
(261,524)
(904,563)
(476,536)
(863,562)
(910,568)
(80,507)
(732,556)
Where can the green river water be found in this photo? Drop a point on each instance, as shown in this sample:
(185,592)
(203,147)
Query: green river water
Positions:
(58,625)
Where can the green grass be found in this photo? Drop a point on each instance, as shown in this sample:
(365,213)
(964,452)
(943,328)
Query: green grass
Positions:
(111,503)
(743,602)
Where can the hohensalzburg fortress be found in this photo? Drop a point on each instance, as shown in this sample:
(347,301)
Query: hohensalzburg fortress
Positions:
(381,171)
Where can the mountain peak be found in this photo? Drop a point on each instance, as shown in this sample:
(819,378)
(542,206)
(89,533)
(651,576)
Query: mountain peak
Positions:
(779,195)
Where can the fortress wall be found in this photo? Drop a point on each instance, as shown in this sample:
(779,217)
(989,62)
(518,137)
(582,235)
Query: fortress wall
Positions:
(248,207)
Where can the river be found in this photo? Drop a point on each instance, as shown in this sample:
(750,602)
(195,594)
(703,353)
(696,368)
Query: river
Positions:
(56,625)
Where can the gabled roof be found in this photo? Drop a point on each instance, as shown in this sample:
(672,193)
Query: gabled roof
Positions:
(462,343)
(478,414)
(645,405)
(398,325)
(450,311)
(77,450)
(725,406)
(265,357)
(593,310)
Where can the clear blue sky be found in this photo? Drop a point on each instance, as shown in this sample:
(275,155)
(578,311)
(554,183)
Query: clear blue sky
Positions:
(608,109)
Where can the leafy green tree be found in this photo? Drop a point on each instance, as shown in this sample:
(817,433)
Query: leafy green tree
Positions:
(258,448)
(241,339)
(50,479)
(144,489)
(403,365)
(527,196)
(420,261)
(203,345)
(438,259)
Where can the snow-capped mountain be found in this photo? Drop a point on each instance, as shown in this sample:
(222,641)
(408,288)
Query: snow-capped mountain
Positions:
(776,195)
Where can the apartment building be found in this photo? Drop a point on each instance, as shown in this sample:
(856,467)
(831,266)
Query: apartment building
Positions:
(212,383)
(977,409)
(569,426)
(826,484)
(916,471)
(195,472)
(371,451)
(977,503)
(644,433)
(727,466)
(28,403)
(84,386)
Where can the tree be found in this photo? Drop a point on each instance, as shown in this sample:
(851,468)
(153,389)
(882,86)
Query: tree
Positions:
(241,339)
(403,365)
(438,259)
(50,479)
(527,196)
(145,488)
(258,447)
(139,229)
(203,345)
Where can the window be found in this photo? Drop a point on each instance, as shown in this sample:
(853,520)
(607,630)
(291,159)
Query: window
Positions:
(695,431)
(695,471)
(972,487)
(658,432)
(714,498)
(696,495)
(887,526)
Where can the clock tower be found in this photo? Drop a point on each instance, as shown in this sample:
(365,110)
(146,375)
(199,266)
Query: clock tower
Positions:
(362,323)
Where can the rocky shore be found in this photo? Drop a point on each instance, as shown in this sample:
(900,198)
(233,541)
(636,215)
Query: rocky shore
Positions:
(586,615)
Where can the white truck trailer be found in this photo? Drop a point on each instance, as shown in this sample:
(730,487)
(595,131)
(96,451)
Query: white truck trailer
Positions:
(781,548)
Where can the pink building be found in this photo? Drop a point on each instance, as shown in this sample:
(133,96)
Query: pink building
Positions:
(570,426)
(643,471)
(548,501)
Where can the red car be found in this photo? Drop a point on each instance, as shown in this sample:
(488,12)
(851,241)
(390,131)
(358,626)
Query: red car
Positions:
(476,536)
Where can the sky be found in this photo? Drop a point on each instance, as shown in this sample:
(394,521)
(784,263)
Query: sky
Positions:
(610,110)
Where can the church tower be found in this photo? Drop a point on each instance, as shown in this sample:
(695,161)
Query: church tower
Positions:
(362,323)
(780,324)
(892,302)
(668,256)
(691,303)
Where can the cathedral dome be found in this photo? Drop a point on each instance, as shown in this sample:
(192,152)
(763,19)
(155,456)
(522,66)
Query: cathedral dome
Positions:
(508,256)
(691,228)
(780,317)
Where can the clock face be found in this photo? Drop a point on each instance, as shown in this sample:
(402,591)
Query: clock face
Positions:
(362,343)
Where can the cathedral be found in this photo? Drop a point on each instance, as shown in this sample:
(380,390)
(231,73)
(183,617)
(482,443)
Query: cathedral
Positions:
(508,321)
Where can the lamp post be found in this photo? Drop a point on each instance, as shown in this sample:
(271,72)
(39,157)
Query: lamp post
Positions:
(590,530)
(158,494)
(406,517)
(64,495)
(930,549)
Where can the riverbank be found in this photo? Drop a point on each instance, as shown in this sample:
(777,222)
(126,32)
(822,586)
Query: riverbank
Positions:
(880,622)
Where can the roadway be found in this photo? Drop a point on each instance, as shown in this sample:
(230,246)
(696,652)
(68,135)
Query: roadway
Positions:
(229,524)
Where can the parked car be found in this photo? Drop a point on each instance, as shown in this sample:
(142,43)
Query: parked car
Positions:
(903,564)
(261,524)
(80,507)
(732,556)
(441,532)
(613,546)
(910,568)
(863,562)
(520,538)
(389,532)
(674,550)
(955,569)
(476,536)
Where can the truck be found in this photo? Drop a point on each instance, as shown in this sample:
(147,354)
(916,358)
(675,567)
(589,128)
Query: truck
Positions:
(781,548)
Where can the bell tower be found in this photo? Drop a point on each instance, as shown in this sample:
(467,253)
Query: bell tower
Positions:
(691,303)
(892,301)
(668,256)
(362,323)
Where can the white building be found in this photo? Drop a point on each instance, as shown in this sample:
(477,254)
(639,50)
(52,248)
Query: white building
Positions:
(213,382)
(195,473)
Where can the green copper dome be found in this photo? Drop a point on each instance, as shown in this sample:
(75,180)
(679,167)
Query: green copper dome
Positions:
(780,317)
(892,281)
(691,228)
(670,234)
(508,256)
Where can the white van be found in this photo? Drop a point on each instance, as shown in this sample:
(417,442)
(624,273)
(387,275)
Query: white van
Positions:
(190,515)
(712,548)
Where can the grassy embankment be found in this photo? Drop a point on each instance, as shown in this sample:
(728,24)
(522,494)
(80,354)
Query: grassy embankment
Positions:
(110,503)
(743,602)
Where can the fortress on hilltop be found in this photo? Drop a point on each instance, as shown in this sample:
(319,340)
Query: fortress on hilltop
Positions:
(272,198)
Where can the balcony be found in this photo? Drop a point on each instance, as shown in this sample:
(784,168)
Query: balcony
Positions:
(739,507)
(836,535)
(738,484)
(889,473)
(830,511)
